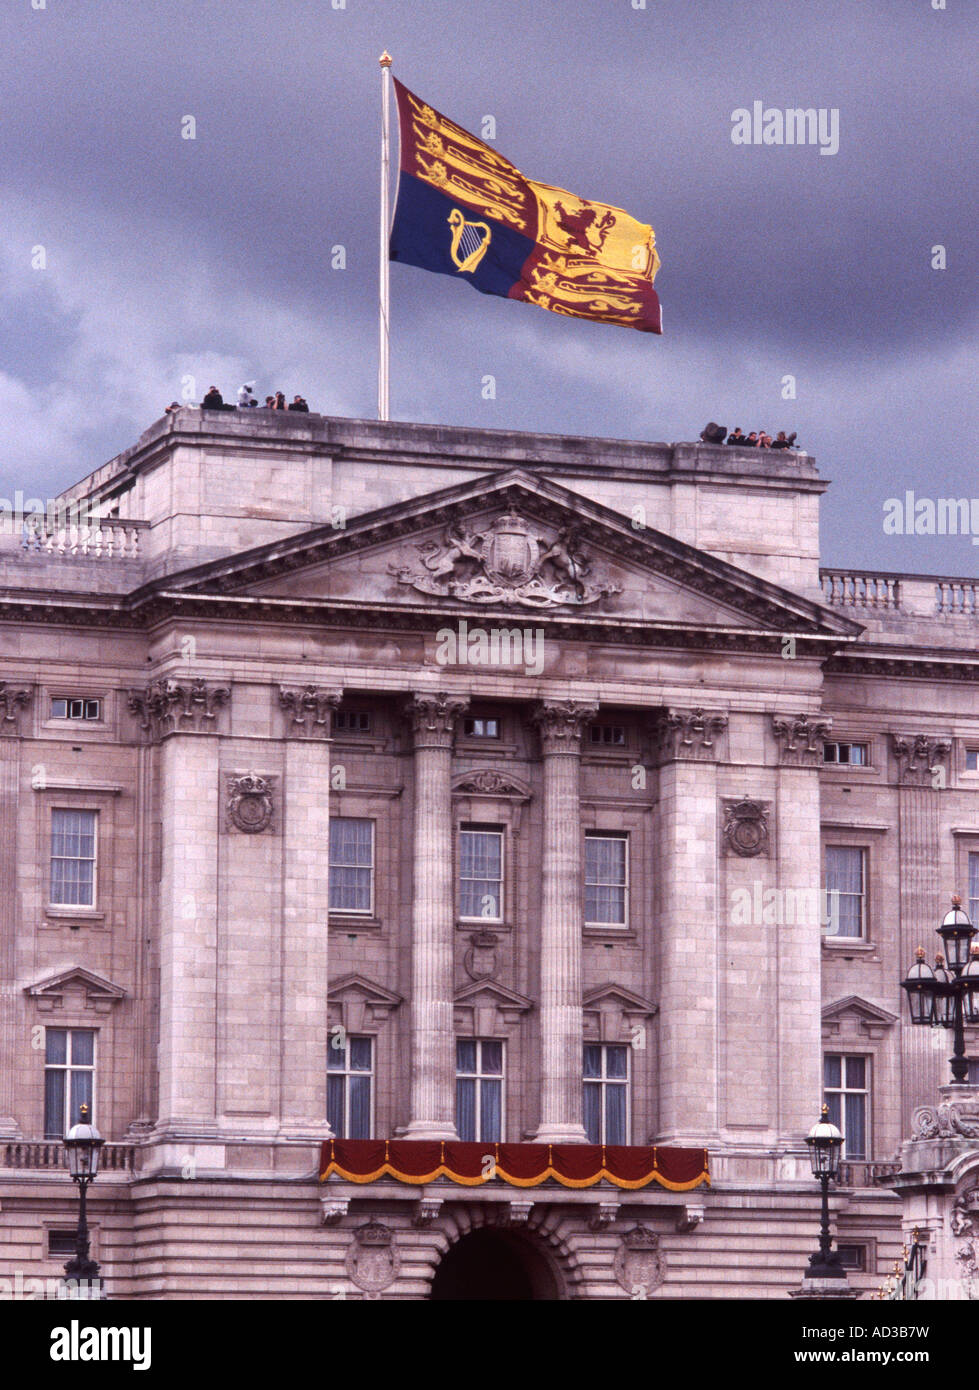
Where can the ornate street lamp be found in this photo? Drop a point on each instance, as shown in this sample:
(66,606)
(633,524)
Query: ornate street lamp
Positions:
(825,1145)
(82,1143)
(948,996)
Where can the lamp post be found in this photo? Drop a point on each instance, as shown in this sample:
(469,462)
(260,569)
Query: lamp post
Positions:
(82,1143)
(948,996)
(825,1145)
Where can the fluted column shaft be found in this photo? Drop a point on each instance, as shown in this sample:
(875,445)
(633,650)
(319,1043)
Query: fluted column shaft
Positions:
(432,718)
(561,1021)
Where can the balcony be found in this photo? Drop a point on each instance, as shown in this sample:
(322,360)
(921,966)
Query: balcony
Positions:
(908,594)
(48,1154)
(864,1173)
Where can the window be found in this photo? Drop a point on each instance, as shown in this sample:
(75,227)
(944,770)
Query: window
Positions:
(974,887)
(855,754)
(853,1257)
(352,721)
(479,1089)
(481,872)
(972,1076)
(972,760)
(350,1085)
(606,879)
(607,1093)
(351,865)
(62,1242)
(845,1083)
(846,877)
(607,733)
(76,709)
(73,858)
(69,1078)
(481,728)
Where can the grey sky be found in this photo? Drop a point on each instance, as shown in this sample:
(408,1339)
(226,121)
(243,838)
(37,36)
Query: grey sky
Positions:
(211,257)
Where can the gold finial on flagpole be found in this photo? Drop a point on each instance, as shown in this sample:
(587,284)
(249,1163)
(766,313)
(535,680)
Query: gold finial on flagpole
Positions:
(385,59)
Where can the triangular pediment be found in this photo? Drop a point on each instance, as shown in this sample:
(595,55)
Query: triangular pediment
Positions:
(853,1010)
(372,993)
(95,991)
(512,545)
(490,992)
(618,997)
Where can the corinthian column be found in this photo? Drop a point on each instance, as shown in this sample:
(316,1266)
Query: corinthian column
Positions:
(432,719)
(560,724)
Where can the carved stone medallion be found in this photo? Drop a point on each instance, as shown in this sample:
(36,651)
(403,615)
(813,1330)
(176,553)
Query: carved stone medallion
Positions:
(509,561)
(480,960)
(746,827)
(373,1260)
(250,803)
(639,1266)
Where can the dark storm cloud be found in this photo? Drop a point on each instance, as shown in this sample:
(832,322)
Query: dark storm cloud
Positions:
(170,257)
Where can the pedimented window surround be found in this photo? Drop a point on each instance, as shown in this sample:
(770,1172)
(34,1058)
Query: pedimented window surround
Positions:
(74,991)
(615,1014)
(854,1020)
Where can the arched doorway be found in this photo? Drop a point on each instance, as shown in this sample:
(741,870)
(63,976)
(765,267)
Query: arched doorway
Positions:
(488,1265)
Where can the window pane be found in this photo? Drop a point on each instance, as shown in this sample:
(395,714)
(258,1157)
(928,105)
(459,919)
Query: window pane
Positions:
(350,841)
(493,1058)
(360,1107)
(616,1061)
(858,754)
(54,1104)
(466,1109)
(593,1060)
(55,1045)
(844,869)
(593,1114)
(615,1114)
(856,1073)
(974,887)
(81,1094)
(350,889)
(832,1071)
(336,1056)
(360,1054)
(466,1055)
(854,1129)
(334,1106)
(82,1047)
(833,1107)
(490,1104)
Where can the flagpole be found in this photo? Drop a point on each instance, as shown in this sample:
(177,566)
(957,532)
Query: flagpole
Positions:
(384,298)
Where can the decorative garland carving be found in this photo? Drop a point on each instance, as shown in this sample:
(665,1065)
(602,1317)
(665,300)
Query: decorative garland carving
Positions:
(949,1120)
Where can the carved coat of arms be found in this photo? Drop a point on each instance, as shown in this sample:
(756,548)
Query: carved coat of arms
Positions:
(508,562)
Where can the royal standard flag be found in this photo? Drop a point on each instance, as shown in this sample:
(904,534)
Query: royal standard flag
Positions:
(464,210)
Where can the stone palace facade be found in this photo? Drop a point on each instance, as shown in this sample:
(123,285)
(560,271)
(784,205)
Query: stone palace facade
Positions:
(400,782)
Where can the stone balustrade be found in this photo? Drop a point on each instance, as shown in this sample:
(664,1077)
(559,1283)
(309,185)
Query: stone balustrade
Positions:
(105,541)
(911,595)
(51,1153)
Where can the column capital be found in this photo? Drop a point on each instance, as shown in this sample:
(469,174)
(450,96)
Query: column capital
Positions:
(311,708)
(689,734)
(918,756)
(432,716)
(12,700)
(561,724)
(800,739)
(168,706)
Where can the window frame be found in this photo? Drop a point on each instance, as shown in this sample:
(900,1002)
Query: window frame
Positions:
(94,861)
(605,1081)
(469,719)
(864,895)
(481,828)
(367,912)
(626,885)
(844,1090)
(479,1076)
(351,713)
(347,1072)
(67,1068)
(848,744)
